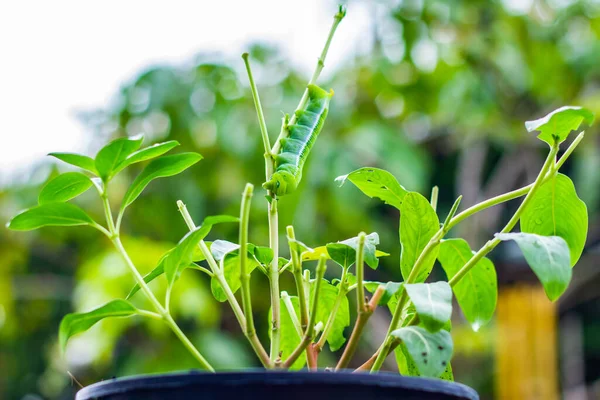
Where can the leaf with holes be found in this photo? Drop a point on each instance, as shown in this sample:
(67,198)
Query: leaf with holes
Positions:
(548,257)
(477,292)
(431,352)
(559,123)
(75,323)
(64,187)
(556,210)
(378,183)
(418,224)
(433,303)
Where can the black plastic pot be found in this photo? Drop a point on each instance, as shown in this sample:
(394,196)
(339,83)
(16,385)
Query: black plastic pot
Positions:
(276,385)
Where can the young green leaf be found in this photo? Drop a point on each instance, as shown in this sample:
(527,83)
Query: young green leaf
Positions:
(147,153)
(378,183)
(51,214)
(477,291)
(78,160)
(433,303)
(150,276)
(327,300)
(75,323)
(114,153)
(64,187)
(431,352)
(548,257)
(264,255)
(315,254)
(556,210)
(418,224)
(559,123)
(344,252)
(289,335)
(391,288)
(159,168)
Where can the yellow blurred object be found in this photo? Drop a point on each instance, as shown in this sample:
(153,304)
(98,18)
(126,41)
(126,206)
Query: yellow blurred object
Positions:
(526,351)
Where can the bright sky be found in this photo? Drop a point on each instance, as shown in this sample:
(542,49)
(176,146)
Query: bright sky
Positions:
(67,55)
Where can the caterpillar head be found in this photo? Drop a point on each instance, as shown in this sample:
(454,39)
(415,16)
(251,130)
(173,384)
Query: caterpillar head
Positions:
(281,183)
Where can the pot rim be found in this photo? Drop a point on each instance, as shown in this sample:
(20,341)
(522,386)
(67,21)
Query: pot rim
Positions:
(281,378)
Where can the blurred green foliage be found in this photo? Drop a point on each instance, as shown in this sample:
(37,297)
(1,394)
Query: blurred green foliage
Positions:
(441,99)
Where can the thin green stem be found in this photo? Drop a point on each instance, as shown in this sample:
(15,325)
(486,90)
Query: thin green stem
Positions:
(338,17)
(310,329)
(274,280)
(361,303)
(451,213)
(149,314)
(259,111)
(336,305)
(287,301)
(434,197)
(297,271)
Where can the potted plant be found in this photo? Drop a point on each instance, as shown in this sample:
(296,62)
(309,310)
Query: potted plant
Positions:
(553,228)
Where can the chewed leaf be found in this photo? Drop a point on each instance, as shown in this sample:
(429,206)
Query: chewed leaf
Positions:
(433,303)
(75,323)
(51,214)
(378,183)
(548,257)
(559,123)
(431,352)
(114,153)
(64,187)
(477,292)
(159,168)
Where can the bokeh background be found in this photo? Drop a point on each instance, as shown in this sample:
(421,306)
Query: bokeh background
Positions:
(435,91)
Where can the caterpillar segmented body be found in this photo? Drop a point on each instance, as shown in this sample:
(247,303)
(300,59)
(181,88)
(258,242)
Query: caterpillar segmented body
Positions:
(295,148)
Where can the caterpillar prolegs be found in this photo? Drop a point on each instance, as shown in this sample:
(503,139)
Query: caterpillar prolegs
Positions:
(301,137)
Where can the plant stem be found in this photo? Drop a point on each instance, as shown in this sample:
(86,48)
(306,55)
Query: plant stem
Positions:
(287,301)
(274,279)
(250,330)
(297,271)
(361,322)
(336,305)
(310,329)
(434,197)
(361,303)
(337,18)
(259,111)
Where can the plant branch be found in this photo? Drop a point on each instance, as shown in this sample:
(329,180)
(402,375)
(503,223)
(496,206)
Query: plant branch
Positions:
(310,330)
(274,279)
(297,271)
(361,303)
(434,197)
(336,305)
(287,301)
(250,330)
(361,322)
(259,111)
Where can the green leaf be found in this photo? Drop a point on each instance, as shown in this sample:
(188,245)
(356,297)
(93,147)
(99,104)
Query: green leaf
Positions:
(559,123)
(231,271)
(344,252)
(75,323)
(159,168)
(51,214)
(220,248)
(299,247)
(113,154)
(290,339)
(264,255)
(327,299)
(378,183)
(407,367)
(149,277)
(548,257)
(147,153)
(477,291)
(78,160)
(315,254)
(183,254)
(431,352)
(391,288)
(64,187)
(556,210)
(433,303)
(418,224)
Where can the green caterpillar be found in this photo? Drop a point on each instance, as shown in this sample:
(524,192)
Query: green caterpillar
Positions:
(295,147)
